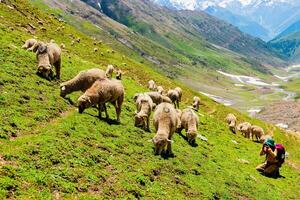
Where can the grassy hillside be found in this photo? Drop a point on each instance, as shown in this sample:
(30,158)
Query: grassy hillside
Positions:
(48,150)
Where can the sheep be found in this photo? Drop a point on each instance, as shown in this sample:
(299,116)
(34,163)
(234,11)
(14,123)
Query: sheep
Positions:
(101,92)
(119,74)
(29,44)
(179,113)
(62,46)
(156,97)
(190,121)
(257,131)
(109,71)
(72,43)
(152,85)
(82,81)
(166,99)
(174,96)
(78,40)
(196,103)
(160,89)
(165,123)
(48,55)
(95,50)
(245,128)
(144,107)
(179,90)
(231,121)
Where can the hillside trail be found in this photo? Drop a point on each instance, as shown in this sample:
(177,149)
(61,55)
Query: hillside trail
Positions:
(38,127)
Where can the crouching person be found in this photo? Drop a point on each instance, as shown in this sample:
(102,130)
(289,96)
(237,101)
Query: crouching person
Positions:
(275,155)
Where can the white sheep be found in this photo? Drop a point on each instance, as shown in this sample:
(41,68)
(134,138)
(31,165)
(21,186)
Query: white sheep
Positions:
(109,71)
(174,96)
(245,129)
(101,92)
(152,85)
(190,121)
(257,131)
(179,90)
(160,90)
(231,121)
(144,106)
(29,44)
(196,103)
(165,123)
(82,81)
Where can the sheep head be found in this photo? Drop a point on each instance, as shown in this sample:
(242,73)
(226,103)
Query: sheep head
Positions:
(83,103)
(45,71)
(63,90)
(191,136)
(119,75)
(160,144)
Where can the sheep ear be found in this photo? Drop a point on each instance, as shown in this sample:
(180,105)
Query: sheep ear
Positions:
(63,88)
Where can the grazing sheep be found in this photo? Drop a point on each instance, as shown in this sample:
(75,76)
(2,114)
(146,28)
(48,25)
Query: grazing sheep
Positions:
(245,129)
(165,123)
(156,97)
(109,71)
(179,113)
(78,40)
(29,44)
(174,96)
(166,99)
(160,90)
(48,55)
(82,81)
(196,103)
(231,121)
(179,90)
(144,106)
(101,92)
(119,74)
(190,121)
(152,85)
(95,50)
(62,46)
(257,131)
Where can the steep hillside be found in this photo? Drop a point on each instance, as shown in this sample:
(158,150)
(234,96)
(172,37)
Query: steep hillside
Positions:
(48,150)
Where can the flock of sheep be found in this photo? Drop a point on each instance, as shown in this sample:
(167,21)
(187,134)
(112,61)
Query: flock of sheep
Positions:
(246,129)
(99,88)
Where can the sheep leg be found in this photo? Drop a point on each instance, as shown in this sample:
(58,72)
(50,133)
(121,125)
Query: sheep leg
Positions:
(100,111)
(105,110)
(148,122)
(57,68)
(118,106)
(169,149)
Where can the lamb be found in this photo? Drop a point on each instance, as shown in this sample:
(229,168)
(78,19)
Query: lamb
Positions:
(152,85)
(144,107)
(179,90)
(119,74)
(101,92)
(196,103)
(29,44)
(165,123)
(257,131)
(82,81)
(48,55)
(231,121)
(190,121)
(245,128)
(174,96)
(109,71)
(160,89)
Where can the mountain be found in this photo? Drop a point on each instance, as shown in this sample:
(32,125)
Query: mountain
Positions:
(50,151)
(291,29)
(257,12)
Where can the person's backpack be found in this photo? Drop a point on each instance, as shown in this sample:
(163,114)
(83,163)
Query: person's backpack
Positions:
(280,153)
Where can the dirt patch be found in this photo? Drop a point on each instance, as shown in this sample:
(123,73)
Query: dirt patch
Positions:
(283,112)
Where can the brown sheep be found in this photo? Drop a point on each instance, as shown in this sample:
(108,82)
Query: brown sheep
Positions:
(196,103)
(29,44)
(152,85)
(257,131)
(101,92)
(174,96)
(190,121)
(231,121)
(245,129)
(144,106)
(179,90)
(165,123)
(48,55)
(82,81)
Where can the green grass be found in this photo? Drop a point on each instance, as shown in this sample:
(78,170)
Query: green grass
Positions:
(59,152)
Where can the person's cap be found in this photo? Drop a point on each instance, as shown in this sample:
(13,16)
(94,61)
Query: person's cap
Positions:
(270,142)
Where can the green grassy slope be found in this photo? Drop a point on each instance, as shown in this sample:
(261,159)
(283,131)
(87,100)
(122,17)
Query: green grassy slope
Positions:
(59,153)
